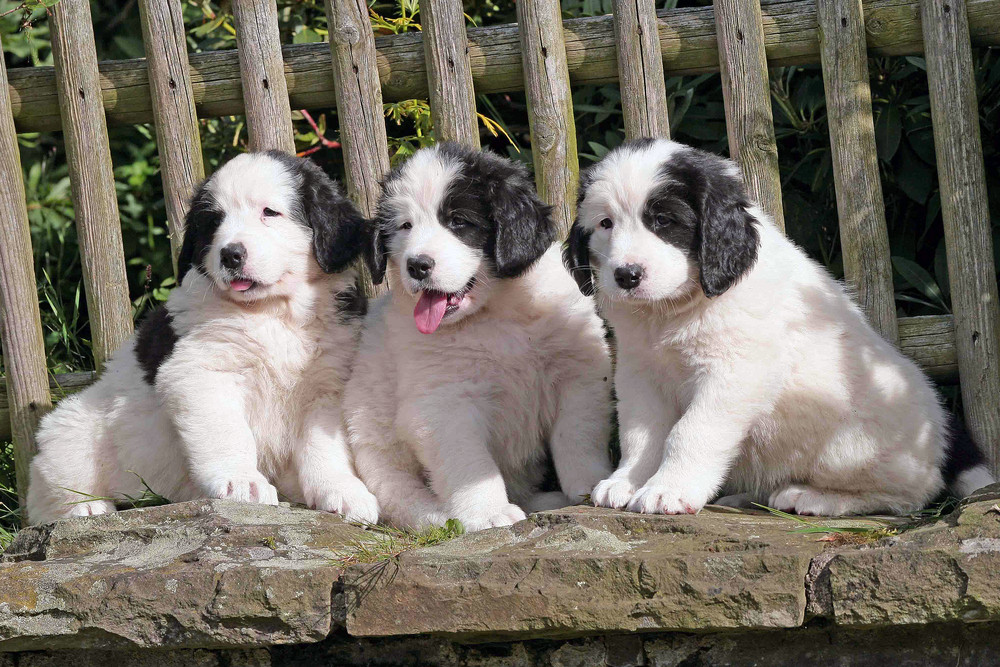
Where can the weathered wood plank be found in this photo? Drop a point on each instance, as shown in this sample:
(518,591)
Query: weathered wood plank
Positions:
(359,107)
(687,42)
(265,91)
(640,69)
(20,324)
(449,72)
(85,134)
(860,207)
(359,100)
(965,210)
(747,95)
(930,341)
(178,137)
(550,108)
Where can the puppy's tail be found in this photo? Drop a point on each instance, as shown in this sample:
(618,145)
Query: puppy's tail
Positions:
(965,468)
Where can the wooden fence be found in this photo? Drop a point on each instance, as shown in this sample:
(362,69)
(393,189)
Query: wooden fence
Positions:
(544,56)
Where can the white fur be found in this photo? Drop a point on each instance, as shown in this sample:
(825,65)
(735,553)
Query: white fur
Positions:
(455,424)
(248,404)
(778,391)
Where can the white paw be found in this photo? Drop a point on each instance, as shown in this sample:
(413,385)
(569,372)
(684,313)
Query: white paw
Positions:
(348,498)
(614,493)
(92,508)
(244,487)
(664,499)
(506,516)
(784,499)
(423,521)
(808,501)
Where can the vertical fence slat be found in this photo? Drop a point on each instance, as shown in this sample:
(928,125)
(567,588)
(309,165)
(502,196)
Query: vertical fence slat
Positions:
(640,69)
(550,107)
(20,323)
(262,71)
(177,133)
(860,207)
(359,107)
(359,100)
(85,133)
(449,71)
(747,96)
(964,208)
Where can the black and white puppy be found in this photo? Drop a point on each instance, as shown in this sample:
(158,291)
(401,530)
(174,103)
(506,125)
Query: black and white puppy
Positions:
(233,388)
(740,360)
(483,355)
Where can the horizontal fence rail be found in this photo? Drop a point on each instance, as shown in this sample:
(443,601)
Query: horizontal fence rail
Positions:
(687,43)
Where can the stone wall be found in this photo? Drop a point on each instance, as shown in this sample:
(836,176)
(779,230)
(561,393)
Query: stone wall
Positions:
(220,583)
(954,645)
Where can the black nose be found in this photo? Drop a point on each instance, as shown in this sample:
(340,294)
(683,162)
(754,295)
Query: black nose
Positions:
(233,256)
(419,267)
(628,276)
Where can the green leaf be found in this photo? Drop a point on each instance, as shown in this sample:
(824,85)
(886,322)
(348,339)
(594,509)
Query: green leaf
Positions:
(918,278)
(914,177)
(888,131)
(599,149)
(941,269)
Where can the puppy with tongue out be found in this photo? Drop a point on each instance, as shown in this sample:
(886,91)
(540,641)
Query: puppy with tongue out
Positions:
(483,368)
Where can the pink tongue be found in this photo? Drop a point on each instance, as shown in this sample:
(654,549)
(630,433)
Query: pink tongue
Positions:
(430,311)
(241,285)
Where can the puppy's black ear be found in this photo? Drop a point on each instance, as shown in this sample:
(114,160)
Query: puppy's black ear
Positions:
(338,227)
(375,250)
(203,218)
(727,234)
(729,241)
(576,256)
(523,227)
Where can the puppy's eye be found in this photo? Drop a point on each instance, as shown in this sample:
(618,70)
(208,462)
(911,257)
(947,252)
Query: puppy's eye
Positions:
(270,213)
(406,225)
(607,223)
(458,223)
(661,221)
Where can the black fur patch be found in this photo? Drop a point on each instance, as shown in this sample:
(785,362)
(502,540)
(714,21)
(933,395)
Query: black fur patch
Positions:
(962,452)
(462,212)
(202,221)
(668,214)
(352,304)
(491,205)
(576,257)
(154,342)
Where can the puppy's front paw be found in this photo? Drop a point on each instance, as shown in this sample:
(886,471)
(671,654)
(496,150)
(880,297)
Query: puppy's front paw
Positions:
(505,516)
(349,498)
(91,508)
(665,499)
(613,493)
(807,501)
(244,487)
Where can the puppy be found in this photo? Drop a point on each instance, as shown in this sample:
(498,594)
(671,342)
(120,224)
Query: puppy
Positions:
(233,388)
(739,356)
(483,359)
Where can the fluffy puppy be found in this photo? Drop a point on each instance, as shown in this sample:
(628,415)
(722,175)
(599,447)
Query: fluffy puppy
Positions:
(739,356)
(233,388)
(483,359)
